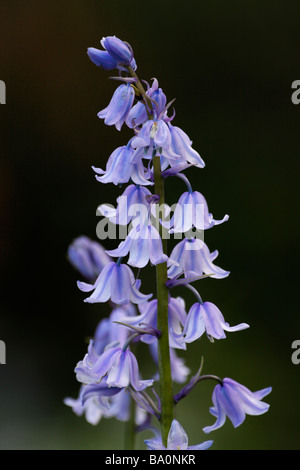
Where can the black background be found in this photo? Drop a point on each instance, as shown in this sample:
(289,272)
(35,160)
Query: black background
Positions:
(230,66)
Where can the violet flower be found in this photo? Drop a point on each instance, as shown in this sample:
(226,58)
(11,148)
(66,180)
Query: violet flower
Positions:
(207,317)
(177,440)
(192,211)
(182,145)
(235,401)
(88,257)
(193,258)
(117,55)
(132,203)
(144,244)
(117,110)
(115,282)
(118,365)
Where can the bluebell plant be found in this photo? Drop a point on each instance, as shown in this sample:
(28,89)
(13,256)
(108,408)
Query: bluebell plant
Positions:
(110,377)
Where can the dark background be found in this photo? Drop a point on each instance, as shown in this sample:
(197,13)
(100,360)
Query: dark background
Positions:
(230,66)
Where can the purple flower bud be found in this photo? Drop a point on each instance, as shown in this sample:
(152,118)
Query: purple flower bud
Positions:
(115,282)
(117,110)
(117,49)
(117,55)
(235,401)
(177,440)
(88,257)
(102,58)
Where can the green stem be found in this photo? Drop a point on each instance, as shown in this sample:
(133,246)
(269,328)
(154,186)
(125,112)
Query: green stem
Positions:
(129,439)
(164,365)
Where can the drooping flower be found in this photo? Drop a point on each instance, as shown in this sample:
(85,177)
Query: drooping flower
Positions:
(177,440)
(192,211)
(182,145)
(144,244)
(235,401)
(119,168)
(88,257)
(131,204)
(153,136)
(115,282)
(117,110)
(117,365)
(193,258)
(207,317)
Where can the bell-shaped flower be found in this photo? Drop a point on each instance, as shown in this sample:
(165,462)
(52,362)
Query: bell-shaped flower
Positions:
(182,145)
(117,110)
(131,204)
(119,367)
(148,316)
(119,168)
(138,113)
(235,401)
(143,243)
(88,257)
(192,211)
(207,317)
(193,258)
(154,136)
(115,282)
(177,440)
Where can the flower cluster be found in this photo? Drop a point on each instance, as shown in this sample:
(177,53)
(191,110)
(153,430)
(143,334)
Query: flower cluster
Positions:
(110,374)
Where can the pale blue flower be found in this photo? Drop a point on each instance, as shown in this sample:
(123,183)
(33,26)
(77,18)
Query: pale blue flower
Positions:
(132,203)
(119,168)
(182,145)
(192,211)
(177,440)
(143,243)
(235,401)
(119,367)
(88,257)
(193,258)
(117,110)
(207,317)
(115,282)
